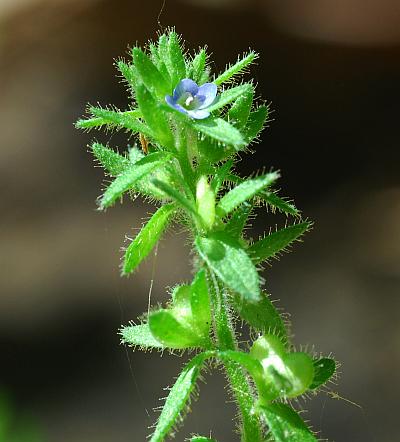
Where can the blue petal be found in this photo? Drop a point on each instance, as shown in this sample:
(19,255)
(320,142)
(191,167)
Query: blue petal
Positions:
(198,114)
(209,92)
(171,102)
(184,86)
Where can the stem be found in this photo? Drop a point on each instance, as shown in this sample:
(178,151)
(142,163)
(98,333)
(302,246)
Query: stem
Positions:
(226,340)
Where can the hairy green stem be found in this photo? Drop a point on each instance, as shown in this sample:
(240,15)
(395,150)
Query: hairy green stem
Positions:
(226,340)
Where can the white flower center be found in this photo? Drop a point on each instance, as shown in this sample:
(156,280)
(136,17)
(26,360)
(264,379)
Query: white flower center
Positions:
(189,100)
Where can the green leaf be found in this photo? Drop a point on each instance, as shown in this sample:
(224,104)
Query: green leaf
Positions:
(256,122)
(229,95)
(239,113)
(244,191)
(230,262)
(113,162)
(131,176)
(324,369)
(114,119)
(278,203)
(166,328)
(238,220)
(178,398)
(200,301)
(235,69)
(220,130)
(262,316)
(205,202)
(220,175)
(147,238)
(139,335)
(197,66)
(285,424)
(277,242)
(175,63)
(244,359)
(176,195)
(151,77)
(129,73)
(154,116)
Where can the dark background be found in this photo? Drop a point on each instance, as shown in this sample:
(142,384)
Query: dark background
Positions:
(331,70)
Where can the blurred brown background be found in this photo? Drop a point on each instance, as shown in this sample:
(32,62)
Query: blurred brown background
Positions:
(331,69)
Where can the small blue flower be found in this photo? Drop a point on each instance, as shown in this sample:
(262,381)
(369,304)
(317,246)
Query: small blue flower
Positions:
(191,99)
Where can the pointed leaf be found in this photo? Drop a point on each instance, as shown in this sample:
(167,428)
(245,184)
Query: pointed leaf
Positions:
(129,73)
(235,69)
(262,316)
(154,116)
(220,175)
(285,424)
(324,369)
(256,122)
(131,176)
(276,242)
(178,398)
(244,191)
(229,261)
(197,67)
(147,238)
(220,130)
(200,301)
(175,63)
(140,336)
(238,220)
(229,95)
(239,112)
(278,203)
(150,76)
(176,195)
(113,162)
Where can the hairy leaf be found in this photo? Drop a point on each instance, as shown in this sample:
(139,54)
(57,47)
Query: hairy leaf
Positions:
(131,176)
(256,122)
(220,175)
(178,398)
(244,191)
(240,110)
(113,162)
(175,62)
(197,66)
(229,95)
(147,238)
(200,301)
(324,369)
(235,69)
(230,262)
(285,424)
(139,335)
(176,195)
(220,130)
(238,220)
(151,77)
(276,242)
(278,203)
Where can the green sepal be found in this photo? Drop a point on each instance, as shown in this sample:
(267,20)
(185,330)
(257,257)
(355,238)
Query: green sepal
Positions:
(284,374)
(244,191)
(239,112)
(220,130)
(151,77)
(230,262)
(154,117)
(277,242)
(139,336)
(113,162)
(131,176)
(262,316)
(166,328)
(147,238)
(256,123)
(197,66)
(236,68)
(175,62)
(285,424)
(324,369)
(229,95)
(178,398)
